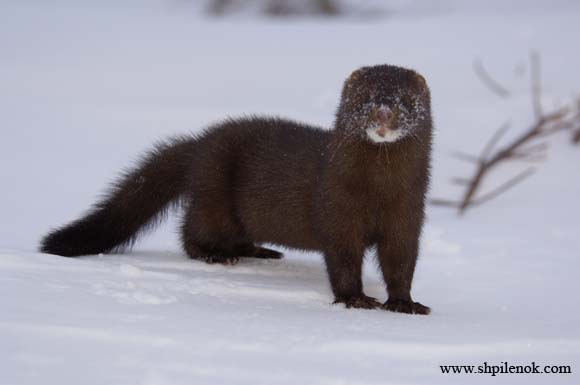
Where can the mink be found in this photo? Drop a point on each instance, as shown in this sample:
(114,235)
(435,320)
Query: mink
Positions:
(244,182)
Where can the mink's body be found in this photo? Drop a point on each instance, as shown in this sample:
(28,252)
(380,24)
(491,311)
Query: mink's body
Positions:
(267,180)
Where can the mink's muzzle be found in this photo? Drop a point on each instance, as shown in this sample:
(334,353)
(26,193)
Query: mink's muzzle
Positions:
(384,115)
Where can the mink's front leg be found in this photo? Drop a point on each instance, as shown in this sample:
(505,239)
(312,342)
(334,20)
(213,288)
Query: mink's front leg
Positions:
(397,252)
(398,266)
(342,233)
(345,274)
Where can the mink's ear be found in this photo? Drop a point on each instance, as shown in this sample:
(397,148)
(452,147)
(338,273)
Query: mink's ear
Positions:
(356,75)
(421,79)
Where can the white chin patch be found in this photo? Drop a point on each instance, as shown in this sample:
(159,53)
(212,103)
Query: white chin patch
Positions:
(390,136)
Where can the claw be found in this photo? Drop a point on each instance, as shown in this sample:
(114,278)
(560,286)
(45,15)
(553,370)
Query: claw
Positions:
(408,307)
(215,259)
(360,302)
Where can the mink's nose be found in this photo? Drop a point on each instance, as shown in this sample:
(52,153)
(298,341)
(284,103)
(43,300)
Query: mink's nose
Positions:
(384,115)
(387,121)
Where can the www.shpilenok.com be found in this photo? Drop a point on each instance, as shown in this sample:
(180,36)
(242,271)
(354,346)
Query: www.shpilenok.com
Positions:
(505,368)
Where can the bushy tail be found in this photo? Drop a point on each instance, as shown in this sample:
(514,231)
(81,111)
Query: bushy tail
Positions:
(133,203)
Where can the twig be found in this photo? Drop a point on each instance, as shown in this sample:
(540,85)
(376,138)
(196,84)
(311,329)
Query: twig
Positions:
(576,136)
(494,140)
(528,157)
(534,148)
(576,129)
(443,202)
(461,181)
(465,157)
(504,187)
(520,148)
(488,81)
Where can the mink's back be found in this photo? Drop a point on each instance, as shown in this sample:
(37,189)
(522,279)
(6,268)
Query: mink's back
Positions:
(267,170)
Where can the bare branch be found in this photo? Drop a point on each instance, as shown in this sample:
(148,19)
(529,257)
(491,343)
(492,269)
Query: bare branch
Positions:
(494,140)
(488,81)
(460,181)
(534,148)
(556,128)
(553,116)
(472,188)
(465,157)
(527,157)
(443,202)
(576,122)
(504,187)
(521,148)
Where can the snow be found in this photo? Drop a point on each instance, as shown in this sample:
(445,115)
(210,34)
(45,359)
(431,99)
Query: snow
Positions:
(85,87)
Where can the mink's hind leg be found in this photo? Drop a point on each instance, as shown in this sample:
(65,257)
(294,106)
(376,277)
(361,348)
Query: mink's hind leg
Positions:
(212,255)
(228,255)
(247,249)
(211,234)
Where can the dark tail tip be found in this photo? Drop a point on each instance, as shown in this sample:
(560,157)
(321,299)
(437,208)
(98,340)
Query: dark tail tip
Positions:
(77,239)
(58,243)
(65,242)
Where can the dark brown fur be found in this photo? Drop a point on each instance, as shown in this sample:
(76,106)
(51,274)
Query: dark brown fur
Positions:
(266,180)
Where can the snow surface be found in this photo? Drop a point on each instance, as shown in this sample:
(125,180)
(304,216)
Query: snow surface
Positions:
(84,87)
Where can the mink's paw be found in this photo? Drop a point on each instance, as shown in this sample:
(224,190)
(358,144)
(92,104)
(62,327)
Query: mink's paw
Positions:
(218,259)
(403,306)
(360,302)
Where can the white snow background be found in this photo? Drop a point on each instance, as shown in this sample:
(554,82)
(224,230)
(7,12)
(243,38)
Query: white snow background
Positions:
(87,86)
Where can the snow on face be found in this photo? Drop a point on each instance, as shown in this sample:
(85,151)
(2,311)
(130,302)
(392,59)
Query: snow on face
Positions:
(390,136)
(384,104)
(394,119)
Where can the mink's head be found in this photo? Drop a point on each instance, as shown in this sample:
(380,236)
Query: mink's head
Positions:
(383,104)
